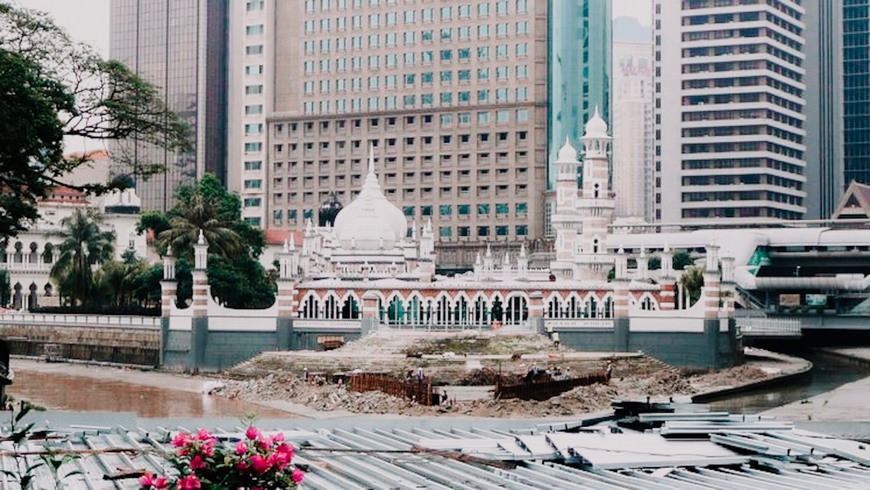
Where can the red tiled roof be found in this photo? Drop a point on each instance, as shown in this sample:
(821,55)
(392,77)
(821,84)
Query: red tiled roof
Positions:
(277,237)
(65,194)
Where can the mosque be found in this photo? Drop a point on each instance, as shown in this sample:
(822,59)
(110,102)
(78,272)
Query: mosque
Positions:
(368,271)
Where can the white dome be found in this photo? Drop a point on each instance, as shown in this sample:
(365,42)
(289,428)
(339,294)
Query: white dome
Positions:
(370,221)
(567,153)
(596,127)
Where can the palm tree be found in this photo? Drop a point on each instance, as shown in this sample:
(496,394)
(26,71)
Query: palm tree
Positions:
(200,213)
(84,246)
(692,281)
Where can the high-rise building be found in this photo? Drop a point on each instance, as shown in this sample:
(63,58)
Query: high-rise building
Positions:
(451,95)
(180,46)
(729,109)
(838,115)
(633,123)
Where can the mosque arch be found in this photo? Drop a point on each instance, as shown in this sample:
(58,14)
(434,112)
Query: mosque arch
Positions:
(309,306)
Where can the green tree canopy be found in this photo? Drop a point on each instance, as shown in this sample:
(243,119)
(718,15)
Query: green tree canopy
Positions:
(53,87)
(83,245)
(235,275)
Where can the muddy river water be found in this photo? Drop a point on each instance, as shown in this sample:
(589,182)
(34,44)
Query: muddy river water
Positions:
(75,392)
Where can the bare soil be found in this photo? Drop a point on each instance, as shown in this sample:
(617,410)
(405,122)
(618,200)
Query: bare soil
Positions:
(465,359)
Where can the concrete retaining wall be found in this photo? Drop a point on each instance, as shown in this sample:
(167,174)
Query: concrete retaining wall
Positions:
(122,345)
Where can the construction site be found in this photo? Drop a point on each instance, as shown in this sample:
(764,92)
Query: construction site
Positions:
(478,374)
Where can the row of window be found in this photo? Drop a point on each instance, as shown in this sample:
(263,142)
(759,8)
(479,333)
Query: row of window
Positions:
(409,59)
(409,80)
(500,7)
(410,193)
(411,122)
(391,102)
(463,33)
(409,142)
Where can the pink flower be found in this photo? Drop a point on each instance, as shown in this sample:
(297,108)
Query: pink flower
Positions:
(242,465)
(286,449)
(148,480)
(208,447)
(180,439)
(204,435)
(241,448)
(260,464)
(252,433)
(188,482)
(277,438)
(197,463)
(297,475)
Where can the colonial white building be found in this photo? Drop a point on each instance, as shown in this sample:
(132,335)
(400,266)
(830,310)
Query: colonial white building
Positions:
(29,257)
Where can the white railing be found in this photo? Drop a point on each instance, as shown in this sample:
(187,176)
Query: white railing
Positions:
(559,323)
(326,324)
(769,327)
(26,266)
(79,320)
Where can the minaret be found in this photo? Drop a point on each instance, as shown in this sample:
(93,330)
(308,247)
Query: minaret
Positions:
(596,204)
(565,221)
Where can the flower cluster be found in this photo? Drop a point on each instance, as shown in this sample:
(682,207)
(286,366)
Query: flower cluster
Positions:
(257,462)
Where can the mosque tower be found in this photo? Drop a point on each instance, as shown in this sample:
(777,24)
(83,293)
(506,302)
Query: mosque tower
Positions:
(581,218)
(596,204)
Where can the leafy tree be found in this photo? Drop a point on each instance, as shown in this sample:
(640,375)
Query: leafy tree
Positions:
(235,275)
(116,280)
(53,87)
(693,280)
(682,259)
(146,286)
(83,246)
(5,291)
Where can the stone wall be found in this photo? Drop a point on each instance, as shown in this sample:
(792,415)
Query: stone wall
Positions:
(138,346)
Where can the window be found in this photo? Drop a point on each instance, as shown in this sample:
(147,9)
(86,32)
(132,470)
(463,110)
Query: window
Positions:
(501,72)
(501,230)
(482,231)
(464,33)
(483,52)
(483,31)
(522,71)
(427,57)
(426,77)
(501,7)
(522,27)
(253,89)
(465,54)
(464,97)
(426,210)
(522,49)
(522,94)
(256,128)
(445,231)
(409,79)
(501,29)
(253,184)
(253,165)
(522,230)
(253,69)
(446,98)
(501,51)
(409,16)
(253,202)
(483,73)
(502,209)
(255,49)
(446,55)
(409,59)
(409,100)
(502,117)
(463,231)
(483,9)
(408,211)
(483,209)
(255,6)
(254,109)
(446,76)
(522,8)
(427,15)
(255,30)
(482,95)
(445,210)
(522,115)
(446,13)
(482,117)
(464,75)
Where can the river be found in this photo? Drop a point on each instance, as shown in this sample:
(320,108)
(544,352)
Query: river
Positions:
(159,395)
(828,373)
(76,388)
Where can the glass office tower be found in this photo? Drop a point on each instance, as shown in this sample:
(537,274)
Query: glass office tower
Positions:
(856,87)
(579,71)
(179,46)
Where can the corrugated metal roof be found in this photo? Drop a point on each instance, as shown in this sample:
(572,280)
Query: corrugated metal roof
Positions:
(381,454)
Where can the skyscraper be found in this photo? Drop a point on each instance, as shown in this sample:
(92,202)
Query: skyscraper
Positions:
(633,127)
(729,109)
(451,95)
(180,46)
(838,113)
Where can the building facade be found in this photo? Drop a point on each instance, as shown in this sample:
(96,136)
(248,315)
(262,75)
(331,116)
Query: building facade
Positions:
(452,95)
(633,130)
(856,86)
(180,46)
(730,110)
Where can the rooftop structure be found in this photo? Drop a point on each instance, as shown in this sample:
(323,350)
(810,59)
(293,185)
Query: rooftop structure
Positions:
(724,452)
